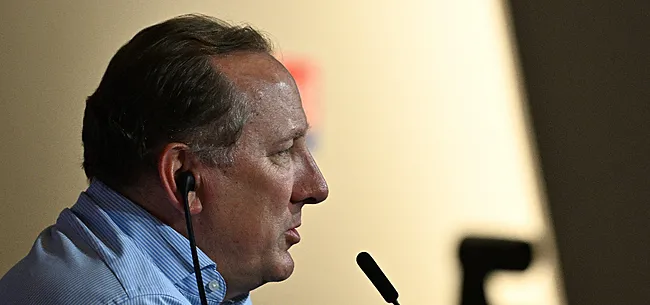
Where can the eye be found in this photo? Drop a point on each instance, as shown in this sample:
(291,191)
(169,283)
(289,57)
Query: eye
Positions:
(284,152)
(283,157)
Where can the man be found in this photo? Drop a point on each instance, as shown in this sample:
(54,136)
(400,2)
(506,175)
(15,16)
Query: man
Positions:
(191,94)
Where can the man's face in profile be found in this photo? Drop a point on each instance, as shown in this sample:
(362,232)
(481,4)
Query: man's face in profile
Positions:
(251,208)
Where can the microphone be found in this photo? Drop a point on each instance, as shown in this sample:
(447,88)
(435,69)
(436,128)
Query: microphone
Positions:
(377,277)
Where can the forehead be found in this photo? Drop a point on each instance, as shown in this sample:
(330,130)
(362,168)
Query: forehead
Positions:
(246,69)
(269,89)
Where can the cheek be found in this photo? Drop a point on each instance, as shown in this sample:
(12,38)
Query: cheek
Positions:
(265,210)
(274,185)
(251,205)
(274,202)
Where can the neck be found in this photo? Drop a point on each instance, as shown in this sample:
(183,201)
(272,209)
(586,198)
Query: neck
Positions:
(150,197)
(240,297)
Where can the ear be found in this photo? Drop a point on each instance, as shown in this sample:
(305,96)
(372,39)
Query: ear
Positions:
(173,159)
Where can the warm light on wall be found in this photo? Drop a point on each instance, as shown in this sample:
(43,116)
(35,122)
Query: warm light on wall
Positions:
(422,137)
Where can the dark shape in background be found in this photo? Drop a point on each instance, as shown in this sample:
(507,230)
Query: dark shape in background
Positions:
(586,67)
(481,256)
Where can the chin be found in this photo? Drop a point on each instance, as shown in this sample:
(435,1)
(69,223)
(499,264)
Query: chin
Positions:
(281,269)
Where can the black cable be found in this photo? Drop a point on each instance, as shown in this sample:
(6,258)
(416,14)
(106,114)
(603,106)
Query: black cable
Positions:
(195,257)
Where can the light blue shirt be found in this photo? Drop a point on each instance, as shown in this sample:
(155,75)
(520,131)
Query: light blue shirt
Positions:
(108,250)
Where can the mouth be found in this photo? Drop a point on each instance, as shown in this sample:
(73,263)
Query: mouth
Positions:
(292,234)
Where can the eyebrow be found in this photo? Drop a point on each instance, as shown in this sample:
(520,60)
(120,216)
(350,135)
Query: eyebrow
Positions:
(295,133)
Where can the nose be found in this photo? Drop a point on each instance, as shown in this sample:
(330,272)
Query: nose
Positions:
(310,186)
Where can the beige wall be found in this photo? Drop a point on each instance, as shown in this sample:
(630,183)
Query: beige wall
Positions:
(424,135)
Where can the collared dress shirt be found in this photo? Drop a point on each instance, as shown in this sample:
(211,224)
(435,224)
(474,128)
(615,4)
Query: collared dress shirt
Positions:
(109,250)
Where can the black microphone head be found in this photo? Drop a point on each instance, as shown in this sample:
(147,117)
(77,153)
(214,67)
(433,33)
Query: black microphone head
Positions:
(185,182)
(377,277)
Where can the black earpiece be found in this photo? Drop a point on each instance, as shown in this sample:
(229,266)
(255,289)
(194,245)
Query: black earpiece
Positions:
(185,182)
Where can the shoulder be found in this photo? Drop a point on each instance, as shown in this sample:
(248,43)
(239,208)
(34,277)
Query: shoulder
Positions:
(58,269)
(64,269)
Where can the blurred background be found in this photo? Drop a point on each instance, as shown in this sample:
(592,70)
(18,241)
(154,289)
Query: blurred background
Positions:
(421,127)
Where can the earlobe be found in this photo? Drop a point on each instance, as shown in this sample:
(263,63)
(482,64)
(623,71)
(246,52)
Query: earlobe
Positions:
(186,185)
(195,203)
(174,169)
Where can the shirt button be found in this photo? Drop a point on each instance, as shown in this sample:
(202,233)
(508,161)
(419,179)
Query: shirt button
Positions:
(213,286)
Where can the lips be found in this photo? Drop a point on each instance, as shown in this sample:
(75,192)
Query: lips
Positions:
(292,234)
